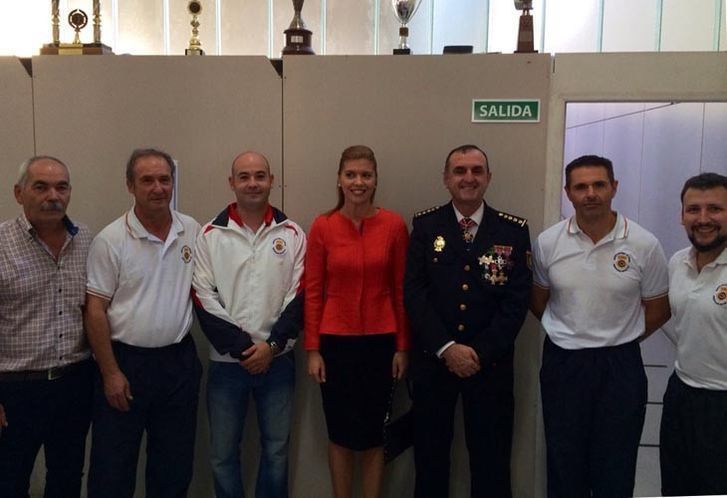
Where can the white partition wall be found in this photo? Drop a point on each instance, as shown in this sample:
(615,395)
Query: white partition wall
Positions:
(412,111)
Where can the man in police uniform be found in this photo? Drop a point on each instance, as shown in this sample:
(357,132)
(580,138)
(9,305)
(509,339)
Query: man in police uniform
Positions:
(466,291)
(693,446)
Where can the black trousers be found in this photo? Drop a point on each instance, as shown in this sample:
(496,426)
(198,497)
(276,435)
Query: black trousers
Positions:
(54,414)
(594,403)
(165,385)
(487,405)
(693,446)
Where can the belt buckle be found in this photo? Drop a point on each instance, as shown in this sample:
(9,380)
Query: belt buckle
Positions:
(55,373)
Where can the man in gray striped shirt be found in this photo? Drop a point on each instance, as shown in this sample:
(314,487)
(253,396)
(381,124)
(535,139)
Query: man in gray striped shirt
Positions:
(45,371)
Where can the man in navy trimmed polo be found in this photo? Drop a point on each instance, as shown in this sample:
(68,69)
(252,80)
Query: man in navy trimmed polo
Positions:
(138,316)
(693,443)
(600,287)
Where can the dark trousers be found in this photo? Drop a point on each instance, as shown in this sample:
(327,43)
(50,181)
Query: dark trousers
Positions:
(693,446)
(487,405)
(165,386)
(594,403)
(54,414)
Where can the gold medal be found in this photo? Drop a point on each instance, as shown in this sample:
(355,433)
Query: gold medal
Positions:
(439,243)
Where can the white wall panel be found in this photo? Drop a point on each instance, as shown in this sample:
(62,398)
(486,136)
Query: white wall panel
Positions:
(622,144)
(141,30)
(650,432)
(463,25)
(648,476)
(580,113)
(630,26)
(244,27)
(672,145)
(571,26)
(714,147)
(349,27)
(658,377)
(688,25)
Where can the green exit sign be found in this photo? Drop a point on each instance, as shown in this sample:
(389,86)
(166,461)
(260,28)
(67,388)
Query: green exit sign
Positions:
(506,111)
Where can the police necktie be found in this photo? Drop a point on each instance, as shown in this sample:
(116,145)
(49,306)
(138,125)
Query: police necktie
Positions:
(465,224)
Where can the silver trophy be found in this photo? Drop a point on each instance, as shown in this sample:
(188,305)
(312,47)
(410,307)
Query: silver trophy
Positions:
(404,10)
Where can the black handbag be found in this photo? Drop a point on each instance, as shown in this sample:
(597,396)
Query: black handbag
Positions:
(399,432)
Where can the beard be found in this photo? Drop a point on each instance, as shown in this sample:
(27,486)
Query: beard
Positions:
(719,241)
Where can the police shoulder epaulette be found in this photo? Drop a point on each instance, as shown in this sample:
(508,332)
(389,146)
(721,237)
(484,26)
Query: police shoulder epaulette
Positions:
(427,211)
(513,219)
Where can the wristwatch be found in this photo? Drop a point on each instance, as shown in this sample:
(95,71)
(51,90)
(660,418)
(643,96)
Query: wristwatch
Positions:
(274,347)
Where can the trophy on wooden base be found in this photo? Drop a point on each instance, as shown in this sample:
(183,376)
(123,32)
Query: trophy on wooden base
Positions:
(194,7)
(78,20)
(525,34)
(297,36)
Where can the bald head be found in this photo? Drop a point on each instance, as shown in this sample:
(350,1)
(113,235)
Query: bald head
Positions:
(249,157)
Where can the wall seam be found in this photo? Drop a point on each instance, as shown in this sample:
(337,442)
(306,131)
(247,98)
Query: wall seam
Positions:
(218,26)
(659,24)
(717,24)
(377,27)
(165,26)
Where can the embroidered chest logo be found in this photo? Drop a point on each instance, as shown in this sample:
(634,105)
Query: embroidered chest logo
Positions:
(621,261)
(439,243)
(279,246)
(496,263)
(720,295)
(186,253)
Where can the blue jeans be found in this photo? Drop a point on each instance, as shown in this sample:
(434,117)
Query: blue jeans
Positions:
(229,388)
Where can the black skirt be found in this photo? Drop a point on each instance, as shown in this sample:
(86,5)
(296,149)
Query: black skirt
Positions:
(357,388)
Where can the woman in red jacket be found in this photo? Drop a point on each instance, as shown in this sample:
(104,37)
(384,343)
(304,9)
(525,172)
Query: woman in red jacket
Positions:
(356,332)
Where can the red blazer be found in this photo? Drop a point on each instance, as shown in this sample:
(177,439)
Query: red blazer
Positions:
(354,279)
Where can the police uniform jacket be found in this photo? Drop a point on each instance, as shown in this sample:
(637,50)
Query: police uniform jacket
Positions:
(478,297)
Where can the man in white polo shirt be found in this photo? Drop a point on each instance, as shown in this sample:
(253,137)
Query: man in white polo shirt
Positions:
(249,302)
(138,315)
(600,287)
(693,447)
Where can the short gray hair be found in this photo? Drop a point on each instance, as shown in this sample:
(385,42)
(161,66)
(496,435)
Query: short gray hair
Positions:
(23,170)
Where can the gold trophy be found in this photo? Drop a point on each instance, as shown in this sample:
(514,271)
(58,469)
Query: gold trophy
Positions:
(525,34)
(297,36)
(194,7)
(78,20)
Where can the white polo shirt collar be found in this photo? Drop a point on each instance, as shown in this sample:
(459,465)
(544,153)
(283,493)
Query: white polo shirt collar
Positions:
(137,230)
(619,231)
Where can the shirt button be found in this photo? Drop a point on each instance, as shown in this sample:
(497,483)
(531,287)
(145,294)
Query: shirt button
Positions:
(60,312)
(60,290)
(460,327)
(465,287)
(60,335)
(466,267)
(462,307)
